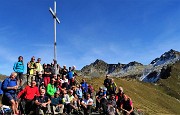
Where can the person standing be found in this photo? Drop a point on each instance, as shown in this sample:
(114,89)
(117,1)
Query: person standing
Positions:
(19,69)
(39,66)
(47,75)
(112,87)
(39,71)
(64,70)
(31,70)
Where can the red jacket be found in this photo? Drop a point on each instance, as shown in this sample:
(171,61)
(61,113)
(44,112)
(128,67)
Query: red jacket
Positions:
(29,92)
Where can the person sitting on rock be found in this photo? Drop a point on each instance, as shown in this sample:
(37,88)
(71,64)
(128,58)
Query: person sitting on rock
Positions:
(43,103)
(127,106)
(87,105)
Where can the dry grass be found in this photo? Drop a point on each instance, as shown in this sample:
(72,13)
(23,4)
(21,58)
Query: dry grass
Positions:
(146,97)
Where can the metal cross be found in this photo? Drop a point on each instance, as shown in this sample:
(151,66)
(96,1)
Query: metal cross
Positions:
(55,20)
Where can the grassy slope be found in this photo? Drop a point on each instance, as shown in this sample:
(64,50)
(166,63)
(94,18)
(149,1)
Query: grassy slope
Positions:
(150,98)
(171,85)
(145,96)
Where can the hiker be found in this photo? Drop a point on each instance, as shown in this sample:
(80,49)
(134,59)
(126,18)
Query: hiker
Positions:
(9,87)
(84,87)
(119,97)
(39,66)
(58,85)
(19,69)
(53,68)
(107,83)
(111,105)
(73,88)
(64,70)
(71,96)
(112,87)
(51,89)
(1,91)
(100,99)
(64,82)
(42,103)
(79,92)
(75,104)
(39,71)
(57,105)
(58,69)
(27,96)
(31,70)
(66,101)
(44,66)
(74,75)
(87,105)
(90,90)
(47,75)
(127,106)
(70,77)
(40,79)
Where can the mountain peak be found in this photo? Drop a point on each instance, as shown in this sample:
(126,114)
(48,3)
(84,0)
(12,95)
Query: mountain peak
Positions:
(166,57)
(98,61)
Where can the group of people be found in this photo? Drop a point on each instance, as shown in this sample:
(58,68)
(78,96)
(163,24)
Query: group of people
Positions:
(47,90)
(50,91)
(111,100)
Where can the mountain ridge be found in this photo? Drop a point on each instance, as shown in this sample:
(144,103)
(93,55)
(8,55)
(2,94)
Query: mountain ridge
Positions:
(133,69)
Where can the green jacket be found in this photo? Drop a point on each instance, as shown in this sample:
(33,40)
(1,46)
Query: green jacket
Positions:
(51,89)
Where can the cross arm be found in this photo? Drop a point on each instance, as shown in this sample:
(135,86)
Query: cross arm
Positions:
(54,15)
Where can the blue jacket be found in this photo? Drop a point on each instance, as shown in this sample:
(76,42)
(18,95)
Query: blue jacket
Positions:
(70,75)
(56,101)
(8,82)
(79,92)
(84,86)
(1,91)
(18,67)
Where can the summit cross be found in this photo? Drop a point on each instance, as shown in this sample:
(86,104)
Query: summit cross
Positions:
(55,20)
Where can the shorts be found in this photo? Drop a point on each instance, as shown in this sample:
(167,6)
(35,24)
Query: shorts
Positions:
(19,76)
(10,96)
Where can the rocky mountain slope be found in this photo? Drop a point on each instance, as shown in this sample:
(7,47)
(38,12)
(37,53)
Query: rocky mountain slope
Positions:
(101,68)
(148,73)
(160,67)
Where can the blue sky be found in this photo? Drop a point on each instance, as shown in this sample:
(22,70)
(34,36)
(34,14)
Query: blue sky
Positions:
(111,30)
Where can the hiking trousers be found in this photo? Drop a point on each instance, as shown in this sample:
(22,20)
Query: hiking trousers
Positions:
(30,78)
